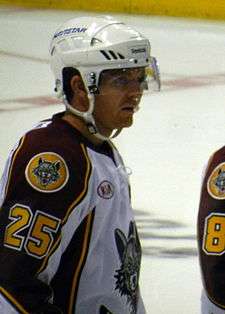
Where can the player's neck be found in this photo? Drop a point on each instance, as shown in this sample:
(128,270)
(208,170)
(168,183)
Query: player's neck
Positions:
(79,124)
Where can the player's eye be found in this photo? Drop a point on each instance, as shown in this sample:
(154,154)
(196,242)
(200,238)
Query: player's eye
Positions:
(142,79)
(121,81)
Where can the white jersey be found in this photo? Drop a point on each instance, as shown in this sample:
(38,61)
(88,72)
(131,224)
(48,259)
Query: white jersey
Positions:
(69,243)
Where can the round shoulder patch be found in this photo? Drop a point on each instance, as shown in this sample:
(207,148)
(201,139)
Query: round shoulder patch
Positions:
(216,182)
(47,172)
(105,189)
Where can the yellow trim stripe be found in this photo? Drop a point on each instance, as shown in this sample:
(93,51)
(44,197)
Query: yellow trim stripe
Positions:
(84,191)
(13,301)
(81,261)
(52,250)
(78,199)
(216,303)
(12,163)
(195,8)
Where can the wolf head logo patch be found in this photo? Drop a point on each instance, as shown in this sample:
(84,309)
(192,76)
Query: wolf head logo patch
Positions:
(127,276)
(216,182)
(47,172)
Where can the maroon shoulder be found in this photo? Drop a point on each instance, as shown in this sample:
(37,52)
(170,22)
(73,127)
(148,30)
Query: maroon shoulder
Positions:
(211,228)
(48,170)
(213,185)
(45,178)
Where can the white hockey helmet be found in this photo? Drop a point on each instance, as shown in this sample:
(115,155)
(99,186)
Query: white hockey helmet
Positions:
(92,45)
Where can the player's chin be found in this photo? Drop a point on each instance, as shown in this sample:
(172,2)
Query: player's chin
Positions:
(126,122)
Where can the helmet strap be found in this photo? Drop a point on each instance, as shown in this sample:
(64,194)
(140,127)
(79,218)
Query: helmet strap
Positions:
(87,116)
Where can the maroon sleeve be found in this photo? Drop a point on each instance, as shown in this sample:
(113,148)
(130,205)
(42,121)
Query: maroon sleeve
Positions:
(211,229)
(46,179)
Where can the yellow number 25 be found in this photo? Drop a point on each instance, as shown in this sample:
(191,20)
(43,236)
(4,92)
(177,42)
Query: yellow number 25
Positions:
(39,229)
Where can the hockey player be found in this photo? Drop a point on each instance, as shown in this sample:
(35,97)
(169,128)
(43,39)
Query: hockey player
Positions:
(211,235)
(68,241)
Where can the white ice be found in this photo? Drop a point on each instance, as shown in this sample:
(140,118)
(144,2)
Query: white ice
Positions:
(174,134)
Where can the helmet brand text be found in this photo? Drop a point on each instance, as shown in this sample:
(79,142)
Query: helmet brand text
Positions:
(69,31)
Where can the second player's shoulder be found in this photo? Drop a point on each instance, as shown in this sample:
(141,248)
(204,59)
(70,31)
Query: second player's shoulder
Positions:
(217,159)
(219,155)
(214,177)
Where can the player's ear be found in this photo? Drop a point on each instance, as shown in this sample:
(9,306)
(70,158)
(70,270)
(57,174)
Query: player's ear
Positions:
(77,84)
(80,98)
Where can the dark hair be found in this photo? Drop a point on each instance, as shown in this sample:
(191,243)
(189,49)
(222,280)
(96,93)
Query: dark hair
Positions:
(67,74)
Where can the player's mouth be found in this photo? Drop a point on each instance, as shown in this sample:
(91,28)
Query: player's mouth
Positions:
(128,108)
(131,106)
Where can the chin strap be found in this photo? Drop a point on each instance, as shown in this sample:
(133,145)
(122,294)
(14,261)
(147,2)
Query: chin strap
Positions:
(87,116)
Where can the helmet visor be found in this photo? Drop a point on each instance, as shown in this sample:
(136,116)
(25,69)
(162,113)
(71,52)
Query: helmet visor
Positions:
(139,78)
